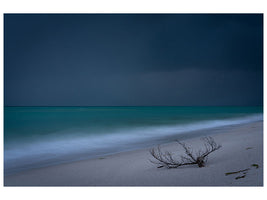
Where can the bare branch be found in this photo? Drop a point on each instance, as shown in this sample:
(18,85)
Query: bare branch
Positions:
(187,150)
(210,145)
(166,159)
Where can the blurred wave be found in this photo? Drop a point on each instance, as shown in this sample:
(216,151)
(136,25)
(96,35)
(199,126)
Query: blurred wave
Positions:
(58,148)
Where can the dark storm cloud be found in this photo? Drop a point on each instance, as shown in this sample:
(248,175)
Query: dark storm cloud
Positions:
(210,41)
(133,59)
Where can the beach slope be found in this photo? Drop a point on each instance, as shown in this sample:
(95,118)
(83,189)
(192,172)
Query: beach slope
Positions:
(242,148)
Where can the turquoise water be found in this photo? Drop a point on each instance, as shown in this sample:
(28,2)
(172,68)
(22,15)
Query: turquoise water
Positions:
(40,136)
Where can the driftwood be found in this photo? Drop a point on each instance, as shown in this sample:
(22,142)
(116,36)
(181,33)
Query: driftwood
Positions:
(199,158)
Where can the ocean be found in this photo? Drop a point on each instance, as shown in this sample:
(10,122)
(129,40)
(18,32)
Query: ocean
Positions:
(42,136)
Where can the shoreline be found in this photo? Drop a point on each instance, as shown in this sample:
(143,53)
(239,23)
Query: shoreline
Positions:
(242,147)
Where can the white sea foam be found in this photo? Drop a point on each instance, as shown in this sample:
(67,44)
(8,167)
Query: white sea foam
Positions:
(56,149)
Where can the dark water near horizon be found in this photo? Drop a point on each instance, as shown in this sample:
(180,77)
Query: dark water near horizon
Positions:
(42,136)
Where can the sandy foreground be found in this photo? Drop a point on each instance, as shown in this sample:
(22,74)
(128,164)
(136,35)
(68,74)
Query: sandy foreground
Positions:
(242,148)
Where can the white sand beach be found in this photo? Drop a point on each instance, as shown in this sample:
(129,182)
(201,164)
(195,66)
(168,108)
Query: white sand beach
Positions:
(242,148)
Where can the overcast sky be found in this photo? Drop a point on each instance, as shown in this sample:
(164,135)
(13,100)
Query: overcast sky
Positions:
(133,60)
